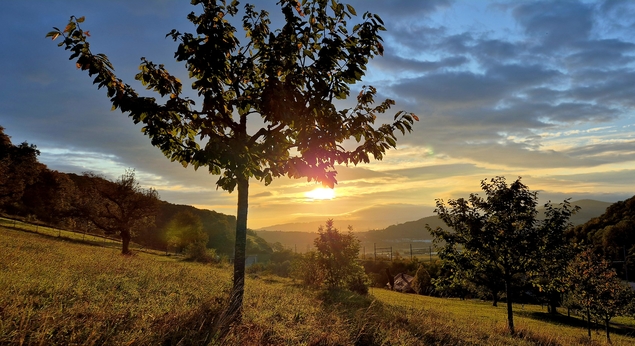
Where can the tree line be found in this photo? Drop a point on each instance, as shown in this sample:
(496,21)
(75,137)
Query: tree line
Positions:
(92,203)
(496,243)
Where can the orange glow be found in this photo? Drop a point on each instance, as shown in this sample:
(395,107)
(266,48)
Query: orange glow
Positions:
(321,193)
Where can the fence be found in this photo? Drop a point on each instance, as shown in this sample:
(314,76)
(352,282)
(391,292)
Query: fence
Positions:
(389,253)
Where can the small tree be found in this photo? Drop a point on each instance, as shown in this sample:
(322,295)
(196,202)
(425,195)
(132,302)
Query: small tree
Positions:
(121,207)
(337,255)
(282,83)
(597,289)
(422,282)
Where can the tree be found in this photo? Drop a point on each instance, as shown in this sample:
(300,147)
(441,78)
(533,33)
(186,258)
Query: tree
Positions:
(282,83)
(596,287)
(19,168)
(468,272)
(499,233)
(121,207)
(186,229)
(422,281)
(337,255)
(50,197)
(556,252)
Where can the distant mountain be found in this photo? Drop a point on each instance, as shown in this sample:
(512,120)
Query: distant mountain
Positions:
(373,217)
(411,230)
(611,233)
(312,226)
(298,241)
(294,235)
(589,209)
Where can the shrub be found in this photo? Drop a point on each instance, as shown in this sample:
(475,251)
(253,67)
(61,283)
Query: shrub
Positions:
(422,283)
(358,282)
(307,270)
(199,252)
(337,254)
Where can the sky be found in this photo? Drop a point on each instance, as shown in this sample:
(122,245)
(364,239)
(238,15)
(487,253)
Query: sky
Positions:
(543,90)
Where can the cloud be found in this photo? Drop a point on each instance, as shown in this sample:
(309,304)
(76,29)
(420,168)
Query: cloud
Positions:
(555,25)
(535,88)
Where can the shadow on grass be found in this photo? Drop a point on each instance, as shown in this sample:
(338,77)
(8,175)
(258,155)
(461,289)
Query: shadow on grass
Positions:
(615,328)
(59,238)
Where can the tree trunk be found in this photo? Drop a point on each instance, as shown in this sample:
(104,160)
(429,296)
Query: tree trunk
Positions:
(495,298)
(125,242)
(236,300)
(553,303)
(588,321)
(608,336)
(510,312)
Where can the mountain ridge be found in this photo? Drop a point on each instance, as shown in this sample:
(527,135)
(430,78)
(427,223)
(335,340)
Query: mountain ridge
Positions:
(409,231)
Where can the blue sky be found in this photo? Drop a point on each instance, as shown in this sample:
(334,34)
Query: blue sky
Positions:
(544,90)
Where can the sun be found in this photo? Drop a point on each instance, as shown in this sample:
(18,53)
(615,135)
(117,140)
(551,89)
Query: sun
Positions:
(321,193)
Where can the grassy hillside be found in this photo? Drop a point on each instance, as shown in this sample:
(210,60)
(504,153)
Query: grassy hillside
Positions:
(60,292)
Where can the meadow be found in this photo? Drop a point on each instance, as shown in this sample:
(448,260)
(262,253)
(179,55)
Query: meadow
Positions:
(62,291)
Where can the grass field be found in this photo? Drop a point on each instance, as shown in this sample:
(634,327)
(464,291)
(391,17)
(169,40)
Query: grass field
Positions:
(59,291)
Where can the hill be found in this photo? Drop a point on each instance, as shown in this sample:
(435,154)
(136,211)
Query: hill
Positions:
(612,233)
(403,234)
(58,292)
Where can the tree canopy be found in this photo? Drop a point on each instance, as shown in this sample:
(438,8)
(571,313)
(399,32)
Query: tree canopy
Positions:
(19,168)
(121,207)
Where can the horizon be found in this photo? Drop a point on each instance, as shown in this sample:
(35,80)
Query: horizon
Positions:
(540,90)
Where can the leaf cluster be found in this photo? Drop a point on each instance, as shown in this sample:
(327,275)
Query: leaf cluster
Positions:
(285,80)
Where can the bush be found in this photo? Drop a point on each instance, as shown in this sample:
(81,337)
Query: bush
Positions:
(307,270)
(422,283)
(281,269)
(199,252)
(255,268)
(358,282)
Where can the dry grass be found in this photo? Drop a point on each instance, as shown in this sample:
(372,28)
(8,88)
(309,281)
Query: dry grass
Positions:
(60,292)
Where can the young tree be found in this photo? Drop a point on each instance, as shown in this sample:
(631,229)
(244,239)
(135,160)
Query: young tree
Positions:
(597,289)
(499,233)
(422,283)
(268,101)
(121,207)
(337,255)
